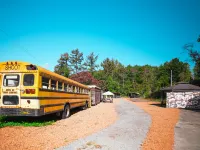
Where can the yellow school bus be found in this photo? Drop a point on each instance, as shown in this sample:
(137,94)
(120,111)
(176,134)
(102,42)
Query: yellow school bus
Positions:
(30,90)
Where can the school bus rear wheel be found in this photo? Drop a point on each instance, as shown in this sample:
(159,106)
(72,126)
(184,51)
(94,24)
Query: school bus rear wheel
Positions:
(85,106)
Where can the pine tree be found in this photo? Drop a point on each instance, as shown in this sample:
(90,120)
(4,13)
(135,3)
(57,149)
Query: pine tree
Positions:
(90,63)
(76,59)
(62,67)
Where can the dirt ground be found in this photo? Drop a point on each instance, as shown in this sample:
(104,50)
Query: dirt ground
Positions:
(61,133)
(161,132)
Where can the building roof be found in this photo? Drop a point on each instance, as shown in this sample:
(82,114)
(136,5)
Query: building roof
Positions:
(182,87)
(108,93)
(94,86)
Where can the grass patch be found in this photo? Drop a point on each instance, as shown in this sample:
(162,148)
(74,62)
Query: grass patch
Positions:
(27,121)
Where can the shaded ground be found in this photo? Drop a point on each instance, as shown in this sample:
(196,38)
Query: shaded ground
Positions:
(80,124)
(187,131)
(161,132)
(139,100)
(127,133)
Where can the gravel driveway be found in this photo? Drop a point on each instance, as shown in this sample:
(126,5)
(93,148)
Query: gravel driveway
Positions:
(187,131)
(127,133)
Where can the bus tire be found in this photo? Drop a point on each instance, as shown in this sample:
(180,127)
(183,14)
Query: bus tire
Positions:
(66,112)
(85,106)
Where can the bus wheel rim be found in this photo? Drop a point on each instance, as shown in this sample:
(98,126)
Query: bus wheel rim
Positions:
(67,111)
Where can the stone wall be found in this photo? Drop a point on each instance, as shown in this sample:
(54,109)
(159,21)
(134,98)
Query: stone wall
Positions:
(189,100)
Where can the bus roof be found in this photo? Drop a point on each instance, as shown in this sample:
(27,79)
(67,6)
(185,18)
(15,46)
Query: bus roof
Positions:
(19,66)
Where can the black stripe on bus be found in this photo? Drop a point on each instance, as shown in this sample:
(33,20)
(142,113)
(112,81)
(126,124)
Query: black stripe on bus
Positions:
(51,105)
(51,97)
(49,90)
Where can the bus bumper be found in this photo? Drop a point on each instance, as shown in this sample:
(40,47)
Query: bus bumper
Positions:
(21,112)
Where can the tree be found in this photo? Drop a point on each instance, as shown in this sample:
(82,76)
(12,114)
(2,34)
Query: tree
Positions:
(62,67)
(85,78)
(90,63)
(112,85)
(76,59)
(108,66)
(181,72)
(195,57)
(198,40)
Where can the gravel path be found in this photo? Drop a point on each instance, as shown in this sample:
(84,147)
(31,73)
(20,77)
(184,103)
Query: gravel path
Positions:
(62,132)
(161,131)
(187,133)
(127,133)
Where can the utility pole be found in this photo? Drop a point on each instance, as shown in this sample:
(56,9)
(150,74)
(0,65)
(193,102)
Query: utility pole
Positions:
(171,77)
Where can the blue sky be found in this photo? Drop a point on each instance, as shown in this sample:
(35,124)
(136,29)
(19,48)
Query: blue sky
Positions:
(134,32)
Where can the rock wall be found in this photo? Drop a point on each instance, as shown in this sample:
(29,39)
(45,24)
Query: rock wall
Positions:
(189,100)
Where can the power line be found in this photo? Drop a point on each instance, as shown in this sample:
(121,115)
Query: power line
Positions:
(22,47)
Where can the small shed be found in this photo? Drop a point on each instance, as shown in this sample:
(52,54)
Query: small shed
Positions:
(95,94)
(134,95)
(117,95)
(108,95)
(183,95)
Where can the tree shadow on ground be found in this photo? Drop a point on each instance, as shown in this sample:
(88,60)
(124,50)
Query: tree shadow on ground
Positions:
(34,121)
(27,119)
(195,110)
(139,100)
(159,105)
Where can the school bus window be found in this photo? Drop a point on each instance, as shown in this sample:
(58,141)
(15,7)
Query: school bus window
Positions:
(11,80)
(45,83)
(77,91)
(60,86)
(53,84)
(0,80)
(70,88)
(28,80)
(74,89)
(65,87)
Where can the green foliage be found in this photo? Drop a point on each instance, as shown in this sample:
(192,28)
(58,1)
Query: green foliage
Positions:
(25,121)
(145,80)
(195,57)
(63,65)
(76,60)
(90,63)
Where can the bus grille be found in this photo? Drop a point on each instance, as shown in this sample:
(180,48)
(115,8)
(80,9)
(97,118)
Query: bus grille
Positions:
(10,100)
